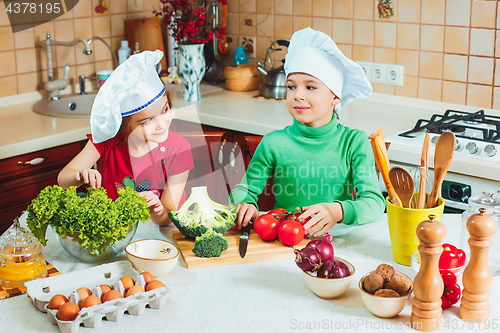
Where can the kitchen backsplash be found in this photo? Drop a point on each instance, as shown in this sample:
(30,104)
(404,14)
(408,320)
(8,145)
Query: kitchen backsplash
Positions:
(448,47)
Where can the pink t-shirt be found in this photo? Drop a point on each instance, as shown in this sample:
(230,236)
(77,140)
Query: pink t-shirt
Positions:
(147,173)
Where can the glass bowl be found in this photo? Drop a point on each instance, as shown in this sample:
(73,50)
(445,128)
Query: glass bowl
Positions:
(74,249)
(415,264)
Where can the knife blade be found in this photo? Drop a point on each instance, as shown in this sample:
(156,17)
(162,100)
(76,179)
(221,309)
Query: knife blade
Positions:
(245,233)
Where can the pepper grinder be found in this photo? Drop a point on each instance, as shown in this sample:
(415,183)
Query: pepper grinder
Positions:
(476,279)
(428,285)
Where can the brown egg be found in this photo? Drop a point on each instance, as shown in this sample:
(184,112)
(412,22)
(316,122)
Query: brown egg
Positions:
(56,301)
(105,288)
(91,301)
(111,295)
(127,281)
(83,292)
(148,277)
(134,290)
(154,285)
(68,311)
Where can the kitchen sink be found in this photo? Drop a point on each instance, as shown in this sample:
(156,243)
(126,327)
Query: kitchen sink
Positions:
(69,106)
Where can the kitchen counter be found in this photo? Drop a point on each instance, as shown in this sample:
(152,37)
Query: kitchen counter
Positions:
(268,296)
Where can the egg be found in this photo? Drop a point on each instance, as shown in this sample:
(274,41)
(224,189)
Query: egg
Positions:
(56,301)
(154,285)
(111,295)
(91,301)
(83,292)
(105,288)
(134,290)
(100,290)
(68,311)
(148,277)
(127,281)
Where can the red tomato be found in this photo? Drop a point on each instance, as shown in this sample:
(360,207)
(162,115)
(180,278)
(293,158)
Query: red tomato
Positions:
(266,226)
(277,211)
(295,217)
(291,232)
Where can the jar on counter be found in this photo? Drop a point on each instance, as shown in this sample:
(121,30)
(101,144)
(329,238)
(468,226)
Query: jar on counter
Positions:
(492,205)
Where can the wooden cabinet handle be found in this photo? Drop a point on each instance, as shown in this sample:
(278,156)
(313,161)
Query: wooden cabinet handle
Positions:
(34,161)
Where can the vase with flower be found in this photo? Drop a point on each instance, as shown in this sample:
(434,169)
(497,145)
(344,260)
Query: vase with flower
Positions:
(187,21)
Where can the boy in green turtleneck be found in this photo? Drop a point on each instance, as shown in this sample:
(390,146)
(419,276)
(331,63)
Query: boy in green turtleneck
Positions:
(317,162)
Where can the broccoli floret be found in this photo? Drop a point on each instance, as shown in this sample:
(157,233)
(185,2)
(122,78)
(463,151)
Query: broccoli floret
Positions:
(206,215)
(210,244)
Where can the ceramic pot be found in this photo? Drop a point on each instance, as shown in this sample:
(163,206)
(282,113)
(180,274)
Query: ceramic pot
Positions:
(191,70)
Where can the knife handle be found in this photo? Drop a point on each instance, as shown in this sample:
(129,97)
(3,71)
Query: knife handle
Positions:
(246,229)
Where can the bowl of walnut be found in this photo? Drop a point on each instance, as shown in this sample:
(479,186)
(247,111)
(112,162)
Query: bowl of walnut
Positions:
(385,291)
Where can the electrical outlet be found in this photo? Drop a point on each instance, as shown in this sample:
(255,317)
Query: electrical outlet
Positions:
(249,45)
(395,75)
(378,73)
(367,68)
(383,73)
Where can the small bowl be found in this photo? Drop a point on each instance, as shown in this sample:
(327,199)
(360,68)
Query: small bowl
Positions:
(329,288)
(156,256)
(383,307)
(415,264)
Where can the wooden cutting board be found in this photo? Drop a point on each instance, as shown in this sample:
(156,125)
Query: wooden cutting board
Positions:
(257,250)
(147,31)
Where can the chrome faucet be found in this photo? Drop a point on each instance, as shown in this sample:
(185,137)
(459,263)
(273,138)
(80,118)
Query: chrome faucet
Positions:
(54,86)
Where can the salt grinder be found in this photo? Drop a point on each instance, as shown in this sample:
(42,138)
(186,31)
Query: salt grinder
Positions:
(475,304)
(428,285)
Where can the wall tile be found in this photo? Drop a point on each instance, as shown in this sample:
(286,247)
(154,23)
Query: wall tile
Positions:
(4,18)
(497,72)
(262,45)
(454,92)
(232,25)
(479,96)
(247,30)
(408,36)
(9,86)
(233,6)
(323,24)
(384,55)
(481,70)
(65,31)
(6,39)
(83,28)
(364,10)
(496,98)
(483,14)
(456,40)
(84,8)
(362,53)
(342,31)
(134,5)
(363,33)
(24,39)
(482,42)
(343,8)
(283,26)
(409,89)
(118,24)
(458,12)
(409,11)
(301,22)
(409,59)
(7,63)
(322,8)
(455,67)
(104,65)
(247,6)
(383,88)
(497,44)
(65,55)
(149,5)
(433,11)
(431,65)
(429,89)
(87,70)
(265,25)
(302,7)
(283,7)
(102,26)
(41,32)
(385,34)
(24,61)
(264,7)
(346,50)
(432,38)
(101,52)
(27,83)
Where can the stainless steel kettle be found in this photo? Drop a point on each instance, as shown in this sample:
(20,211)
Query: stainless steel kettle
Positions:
(274,85)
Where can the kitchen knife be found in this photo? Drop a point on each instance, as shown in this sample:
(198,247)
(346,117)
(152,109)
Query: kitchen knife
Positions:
(245,233)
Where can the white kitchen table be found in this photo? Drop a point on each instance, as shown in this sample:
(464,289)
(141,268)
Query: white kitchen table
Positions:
(268,296)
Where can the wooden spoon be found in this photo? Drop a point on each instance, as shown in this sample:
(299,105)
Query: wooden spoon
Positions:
(423,172)
(443,154)
(403,184)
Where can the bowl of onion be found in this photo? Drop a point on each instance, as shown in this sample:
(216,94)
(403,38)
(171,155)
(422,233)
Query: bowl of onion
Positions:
(327,276)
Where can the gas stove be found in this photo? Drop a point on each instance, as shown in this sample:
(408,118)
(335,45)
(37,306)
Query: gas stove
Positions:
(476,162)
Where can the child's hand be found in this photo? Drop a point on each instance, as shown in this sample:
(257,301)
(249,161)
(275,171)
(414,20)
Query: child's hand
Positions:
(326,216)
(153,201)
(89,176)
(244,213)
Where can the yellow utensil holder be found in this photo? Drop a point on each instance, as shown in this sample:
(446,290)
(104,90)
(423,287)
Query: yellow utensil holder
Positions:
(403,224)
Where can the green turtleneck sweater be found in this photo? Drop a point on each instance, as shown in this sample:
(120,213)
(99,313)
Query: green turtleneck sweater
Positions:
(314,165)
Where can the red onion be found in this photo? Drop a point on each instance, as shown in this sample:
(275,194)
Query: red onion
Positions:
(326,269)
(308,259)
(339,271)
(324,247)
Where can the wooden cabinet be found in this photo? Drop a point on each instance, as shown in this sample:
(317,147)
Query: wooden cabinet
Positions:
(21,181)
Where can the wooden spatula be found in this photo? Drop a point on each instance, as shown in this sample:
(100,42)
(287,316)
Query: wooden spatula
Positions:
(423,172)
(403,184)
(443,154)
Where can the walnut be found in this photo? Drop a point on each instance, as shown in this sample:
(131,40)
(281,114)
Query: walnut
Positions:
(387,271)
(386,293)
(373,282)
(399,283)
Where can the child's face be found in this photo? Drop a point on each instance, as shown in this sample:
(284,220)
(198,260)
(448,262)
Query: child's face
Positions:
(309,100)
(152,123)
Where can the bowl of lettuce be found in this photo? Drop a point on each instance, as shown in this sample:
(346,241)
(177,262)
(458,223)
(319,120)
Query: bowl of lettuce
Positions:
(89,226)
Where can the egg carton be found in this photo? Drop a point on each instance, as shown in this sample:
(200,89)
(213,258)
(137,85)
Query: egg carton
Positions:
(41,291)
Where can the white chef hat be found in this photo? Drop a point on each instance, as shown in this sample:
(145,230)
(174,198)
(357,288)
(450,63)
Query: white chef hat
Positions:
(315,53)
(132,87)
